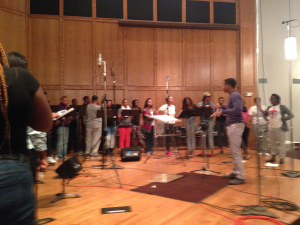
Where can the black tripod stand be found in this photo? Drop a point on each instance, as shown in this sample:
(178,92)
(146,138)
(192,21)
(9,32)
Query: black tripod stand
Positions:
(105,116)
(64,194)
(204,112)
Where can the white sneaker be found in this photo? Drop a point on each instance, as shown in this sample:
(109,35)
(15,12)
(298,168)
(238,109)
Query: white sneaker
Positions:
(55,158)
(51,160)
(95,156)
(266,154)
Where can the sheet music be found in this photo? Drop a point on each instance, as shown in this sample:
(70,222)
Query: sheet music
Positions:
(63,113)
(164,118)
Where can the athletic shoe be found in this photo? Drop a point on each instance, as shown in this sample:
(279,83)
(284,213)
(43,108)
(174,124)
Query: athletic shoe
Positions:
(222,152)
(266,154)
(230,176)
(237,181)
(55,158)
(80,153)
(169,154)
(248,156)
(211,154)
(95,156)
(281,161)
(51,160)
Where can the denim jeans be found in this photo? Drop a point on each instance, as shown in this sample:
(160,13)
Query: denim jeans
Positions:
(17,203)
(62,141)
(149,141)
(190,126)
(110,138)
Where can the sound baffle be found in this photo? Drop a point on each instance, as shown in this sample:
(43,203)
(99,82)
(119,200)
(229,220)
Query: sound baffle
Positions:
(131,154)
(69,168)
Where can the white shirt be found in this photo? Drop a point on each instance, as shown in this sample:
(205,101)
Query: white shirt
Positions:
(168,110)
(253,113)
(275,117)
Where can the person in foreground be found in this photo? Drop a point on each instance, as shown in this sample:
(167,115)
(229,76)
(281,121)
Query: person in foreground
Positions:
(23,103)
(278,115)
(235,129)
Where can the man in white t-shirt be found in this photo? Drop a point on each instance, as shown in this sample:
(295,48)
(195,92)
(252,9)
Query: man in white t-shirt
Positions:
(260,126)
(168,109)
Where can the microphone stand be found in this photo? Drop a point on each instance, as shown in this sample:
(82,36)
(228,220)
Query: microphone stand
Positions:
(114,166)
(104,133)
(63,194)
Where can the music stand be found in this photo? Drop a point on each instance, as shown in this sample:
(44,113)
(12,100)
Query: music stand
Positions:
(205,112)
(63,194)
(130,112)
(163,178)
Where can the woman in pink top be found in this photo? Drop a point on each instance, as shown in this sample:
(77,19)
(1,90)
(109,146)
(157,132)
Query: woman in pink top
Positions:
(246,132)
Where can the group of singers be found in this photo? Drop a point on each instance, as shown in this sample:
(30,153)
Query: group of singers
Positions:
(232,123)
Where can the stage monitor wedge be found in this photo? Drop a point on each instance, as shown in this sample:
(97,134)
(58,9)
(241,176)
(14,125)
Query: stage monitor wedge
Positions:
(48,7)
(225,12)
(169,10)
(82,8)
(109,9)
(140,9)
(197,11)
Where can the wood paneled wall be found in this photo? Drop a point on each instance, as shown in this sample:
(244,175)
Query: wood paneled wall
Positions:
(14,25)
(62,53)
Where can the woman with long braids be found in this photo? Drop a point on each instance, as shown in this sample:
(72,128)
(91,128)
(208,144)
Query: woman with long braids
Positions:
(22,104)
(190,125)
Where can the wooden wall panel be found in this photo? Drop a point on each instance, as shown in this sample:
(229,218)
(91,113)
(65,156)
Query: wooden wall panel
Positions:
(16,5)
(169,56)
(247,12)
(139,55)
(248,62)
(44,50)
(142,97)
(53,96)
(77,94)
(224,56)
(78,57)
(110,95)
(110,43)
(197,58)
(13,32)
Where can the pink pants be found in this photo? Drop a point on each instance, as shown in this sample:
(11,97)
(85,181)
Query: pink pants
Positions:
(124,137)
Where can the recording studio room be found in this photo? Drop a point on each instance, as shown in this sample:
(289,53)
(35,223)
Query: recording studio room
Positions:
(149,112)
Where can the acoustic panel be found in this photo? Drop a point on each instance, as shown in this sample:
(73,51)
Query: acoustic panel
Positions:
(109,8)
(50,7)
(140,9)
(197,11)
(78,8)
(225,12)
(169,10)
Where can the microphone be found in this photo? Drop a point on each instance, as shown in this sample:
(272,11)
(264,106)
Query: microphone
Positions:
(99,60)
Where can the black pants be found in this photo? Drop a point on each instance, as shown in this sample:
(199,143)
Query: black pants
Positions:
(222,133)
(245,139)
(169,129)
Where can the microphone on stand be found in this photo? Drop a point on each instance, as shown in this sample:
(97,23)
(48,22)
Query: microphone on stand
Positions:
(99,60)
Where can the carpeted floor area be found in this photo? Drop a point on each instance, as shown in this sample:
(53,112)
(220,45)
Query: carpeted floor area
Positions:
(192,187)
